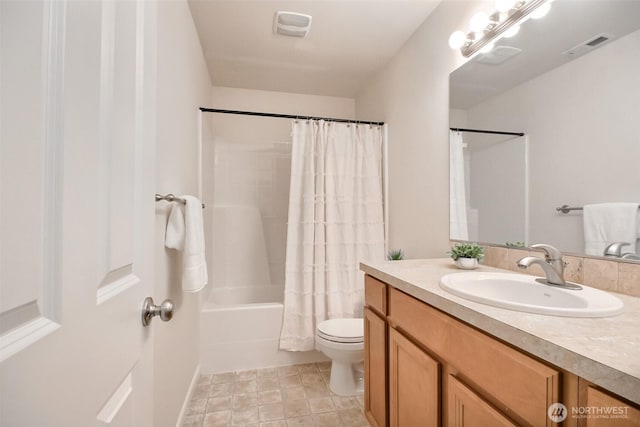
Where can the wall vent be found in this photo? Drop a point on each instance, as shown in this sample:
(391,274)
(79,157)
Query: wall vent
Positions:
(291,24)
(588,45)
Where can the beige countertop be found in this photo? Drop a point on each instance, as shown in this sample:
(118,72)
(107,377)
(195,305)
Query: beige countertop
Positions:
(605,351)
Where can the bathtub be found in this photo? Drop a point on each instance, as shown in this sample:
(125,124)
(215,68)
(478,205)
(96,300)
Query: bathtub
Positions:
(240,329)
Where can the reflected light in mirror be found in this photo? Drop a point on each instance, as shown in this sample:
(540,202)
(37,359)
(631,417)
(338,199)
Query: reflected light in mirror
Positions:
(511,31)
(542,11)
(490,27)
(457,39)
(504,5)
(478,22)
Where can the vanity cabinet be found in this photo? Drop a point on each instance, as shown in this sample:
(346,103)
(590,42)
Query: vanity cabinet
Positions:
(425,368)
(440,371)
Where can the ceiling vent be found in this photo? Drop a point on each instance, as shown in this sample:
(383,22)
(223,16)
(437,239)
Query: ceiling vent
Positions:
(588,45)
(498,55)
(291,24)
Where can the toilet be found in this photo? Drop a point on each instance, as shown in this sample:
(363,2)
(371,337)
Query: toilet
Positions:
(342,340)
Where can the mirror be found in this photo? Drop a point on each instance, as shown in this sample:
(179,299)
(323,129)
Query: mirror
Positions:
(571,83)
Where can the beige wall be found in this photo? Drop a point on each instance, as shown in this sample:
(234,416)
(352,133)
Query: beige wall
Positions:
(183,86)
(412,95)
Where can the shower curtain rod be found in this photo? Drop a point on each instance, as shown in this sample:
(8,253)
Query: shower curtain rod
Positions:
(494,132)
(287,116)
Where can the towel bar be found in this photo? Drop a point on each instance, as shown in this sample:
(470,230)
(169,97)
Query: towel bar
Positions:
(172,198)
(566,208)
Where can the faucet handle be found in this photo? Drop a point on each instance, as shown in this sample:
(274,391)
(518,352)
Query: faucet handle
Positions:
(550,253)
(615,249)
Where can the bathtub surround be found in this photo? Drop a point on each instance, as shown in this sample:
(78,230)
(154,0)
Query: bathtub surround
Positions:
(251,188)
(248,161)
(335,220)
(241,315)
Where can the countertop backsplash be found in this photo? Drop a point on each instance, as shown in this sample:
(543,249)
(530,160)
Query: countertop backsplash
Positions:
(615,275)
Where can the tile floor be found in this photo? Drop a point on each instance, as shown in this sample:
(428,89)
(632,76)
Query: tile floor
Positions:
(274,397)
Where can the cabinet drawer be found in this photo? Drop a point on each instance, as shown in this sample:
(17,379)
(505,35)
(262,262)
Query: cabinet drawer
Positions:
(375,295)
(515,383)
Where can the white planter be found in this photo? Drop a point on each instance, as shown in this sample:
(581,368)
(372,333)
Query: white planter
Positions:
(467,263)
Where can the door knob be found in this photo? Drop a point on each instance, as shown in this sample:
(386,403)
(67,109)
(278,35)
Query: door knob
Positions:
(150,310)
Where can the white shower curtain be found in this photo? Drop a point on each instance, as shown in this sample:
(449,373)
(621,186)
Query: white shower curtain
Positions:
(457,199)
(335,221)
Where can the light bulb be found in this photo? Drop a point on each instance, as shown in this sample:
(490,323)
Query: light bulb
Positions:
(488,48)
(511,31)
(504,5)
(457,39)
(541,11)
(479,22)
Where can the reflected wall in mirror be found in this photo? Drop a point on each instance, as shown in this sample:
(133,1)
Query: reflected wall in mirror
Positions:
(571,83)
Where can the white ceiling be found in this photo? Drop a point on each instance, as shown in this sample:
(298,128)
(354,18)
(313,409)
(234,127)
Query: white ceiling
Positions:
(349,42)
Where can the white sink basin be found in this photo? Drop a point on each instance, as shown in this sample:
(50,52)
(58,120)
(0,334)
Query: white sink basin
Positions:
(522,293)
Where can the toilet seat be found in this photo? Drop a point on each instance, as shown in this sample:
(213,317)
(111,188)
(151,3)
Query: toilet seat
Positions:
(342,330)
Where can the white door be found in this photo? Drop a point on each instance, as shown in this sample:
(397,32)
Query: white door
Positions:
(76,205)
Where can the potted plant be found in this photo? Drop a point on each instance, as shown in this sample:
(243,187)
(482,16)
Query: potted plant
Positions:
(395,255)
(466,255)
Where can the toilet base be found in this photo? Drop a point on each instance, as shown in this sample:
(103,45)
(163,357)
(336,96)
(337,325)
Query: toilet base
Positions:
(347,379)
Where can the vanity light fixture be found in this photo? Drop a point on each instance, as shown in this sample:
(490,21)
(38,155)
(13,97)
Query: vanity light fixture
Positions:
(504,21)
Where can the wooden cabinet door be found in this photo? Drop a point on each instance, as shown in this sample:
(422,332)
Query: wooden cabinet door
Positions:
(413,384)
(375,369)
(466,409)
(607,411)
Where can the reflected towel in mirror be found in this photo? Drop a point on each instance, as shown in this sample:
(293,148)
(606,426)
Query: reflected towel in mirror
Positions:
(605,223)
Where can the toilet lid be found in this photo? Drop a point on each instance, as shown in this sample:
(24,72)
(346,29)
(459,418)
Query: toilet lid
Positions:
(342,330)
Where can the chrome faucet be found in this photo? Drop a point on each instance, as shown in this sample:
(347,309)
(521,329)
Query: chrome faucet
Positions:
(630,255)
(615,249)
(552,264)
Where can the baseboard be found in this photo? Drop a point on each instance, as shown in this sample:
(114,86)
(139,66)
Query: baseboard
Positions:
(187,398)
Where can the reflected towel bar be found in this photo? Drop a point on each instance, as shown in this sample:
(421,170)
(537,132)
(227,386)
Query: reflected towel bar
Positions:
(566,208)
(172,198)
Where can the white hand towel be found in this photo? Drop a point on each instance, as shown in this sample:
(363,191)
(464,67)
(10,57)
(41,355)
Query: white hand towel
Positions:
(185,232)
(175,233)
(605,223)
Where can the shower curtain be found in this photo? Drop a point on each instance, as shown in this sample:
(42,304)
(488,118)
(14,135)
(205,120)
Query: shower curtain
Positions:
(457,198)
(335,221)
